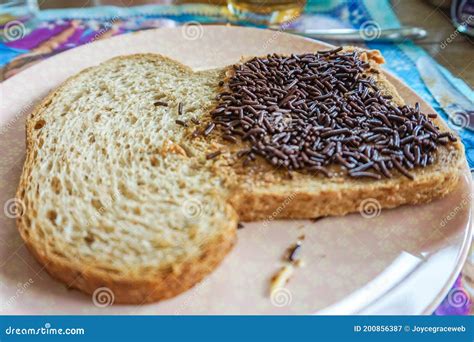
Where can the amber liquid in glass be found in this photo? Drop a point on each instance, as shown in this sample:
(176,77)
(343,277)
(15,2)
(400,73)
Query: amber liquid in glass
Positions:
(270,11)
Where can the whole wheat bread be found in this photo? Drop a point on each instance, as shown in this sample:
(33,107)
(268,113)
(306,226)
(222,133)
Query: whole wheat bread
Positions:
(120,194)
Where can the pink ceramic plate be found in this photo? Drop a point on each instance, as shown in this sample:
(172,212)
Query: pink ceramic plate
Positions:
(400,261)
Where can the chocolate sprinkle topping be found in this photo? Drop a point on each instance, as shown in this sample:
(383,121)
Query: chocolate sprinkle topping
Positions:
(294,252)
(310,111)
(213,155)
(182,123)
(209,128)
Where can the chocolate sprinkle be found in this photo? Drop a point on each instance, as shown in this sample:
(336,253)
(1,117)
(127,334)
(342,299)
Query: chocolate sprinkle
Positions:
(160,103)
(209,128)
(294,252)
(182,123)
(308,112)
(213,155)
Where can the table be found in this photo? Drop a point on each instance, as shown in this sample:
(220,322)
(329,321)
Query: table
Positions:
(410,12)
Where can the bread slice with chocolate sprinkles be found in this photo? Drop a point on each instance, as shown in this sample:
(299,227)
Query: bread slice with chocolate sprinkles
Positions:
(158,191)
(335,121)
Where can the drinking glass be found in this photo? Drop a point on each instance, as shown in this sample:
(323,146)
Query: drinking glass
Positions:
(126,3)
(266,12)
(16,18)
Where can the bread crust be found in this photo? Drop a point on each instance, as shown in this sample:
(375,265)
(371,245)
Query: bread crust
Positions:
(248,201)
(254,206)
(161,284)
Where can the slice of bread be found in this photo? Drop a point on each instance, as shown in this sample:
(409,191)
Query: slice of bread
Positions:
(114,195)
(119,193)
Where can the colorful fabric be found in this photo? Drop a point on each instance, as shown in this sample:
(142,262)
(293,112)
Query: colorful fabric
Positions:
(54,31)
